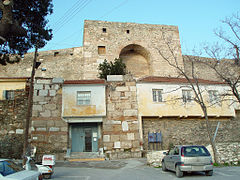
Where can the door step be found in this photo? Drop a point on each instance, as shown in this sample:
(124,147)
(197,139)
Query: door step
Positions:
(86,160)
(85,156)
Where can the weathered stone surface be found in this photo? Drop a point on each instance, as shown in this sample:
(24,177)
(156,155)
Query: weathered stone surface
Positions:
(37,108)
(130,112)
(43,92)
(106,138)
(54,129)
(115,78)
(50,107)
(46,113)
(57,80)
(130,136)
(125,126)
(52,93)
(38,86)
(117,144)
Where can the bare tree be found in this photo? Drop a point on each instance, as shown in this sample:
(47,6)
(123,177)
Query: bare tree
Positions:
(226,62)
(170,52)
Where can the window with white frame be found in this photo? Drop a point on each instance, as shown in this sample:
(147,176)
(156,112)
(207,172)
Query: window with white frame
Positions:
(83,97)
(213,96)
(8,94)
(157,95)
(186,95)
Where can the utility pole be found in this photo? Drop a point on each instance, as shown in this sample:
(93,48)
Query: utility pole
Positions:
(30,103)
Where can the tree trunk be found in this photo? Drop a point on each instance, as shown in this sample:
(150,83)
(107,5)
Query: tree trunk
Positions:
(209,131)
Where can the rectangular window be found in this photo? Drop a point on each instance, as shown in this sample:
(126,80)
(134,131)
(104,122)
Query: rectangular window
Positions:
(101,50)
(83,97)
(157,95)
(213,96)
(186,95)
(8,94)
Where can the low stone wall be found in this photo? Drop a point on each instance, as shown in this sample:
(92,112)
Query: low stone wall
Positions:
(154,158)
(12,120)
(191,131)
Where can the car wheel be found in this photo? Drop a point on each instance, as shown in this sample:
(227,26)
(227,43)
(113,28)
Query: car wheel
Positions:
(209,173)
(179,173)
(164,166)
(47,176)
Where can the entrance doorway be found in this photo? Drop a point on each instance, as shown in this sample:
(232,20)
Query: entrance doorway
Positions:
(84,137)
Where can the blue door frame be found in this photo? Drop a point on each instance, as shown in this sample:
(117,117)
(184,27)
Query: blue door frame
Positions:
(84,137)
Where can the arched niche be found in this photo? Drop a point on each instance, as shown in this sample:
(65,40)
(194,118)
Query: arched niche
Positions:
(137,60)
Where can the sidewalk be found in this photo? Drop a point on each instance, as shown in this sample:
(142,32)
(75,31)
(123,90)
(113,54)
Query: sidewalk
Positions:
(107,164)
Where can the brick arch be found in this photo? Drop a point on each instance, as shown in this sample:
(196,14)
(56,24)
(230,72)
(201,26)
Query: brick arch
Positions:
(137,60)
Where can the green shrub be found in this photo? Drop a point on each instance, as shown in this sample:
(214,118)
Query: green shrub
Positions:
(111,68)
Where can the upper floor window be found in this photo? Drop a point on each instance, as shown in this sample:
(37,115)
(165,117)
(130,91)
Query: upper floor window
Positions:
(186,95)
(8,94)
(213,96)
(83,97)
(101,50)
(157,95)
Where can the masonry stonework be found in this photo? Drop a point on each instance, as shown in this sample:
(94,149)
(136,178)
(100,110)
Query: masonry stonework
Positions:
(12,123)
(121,128)
(49,131)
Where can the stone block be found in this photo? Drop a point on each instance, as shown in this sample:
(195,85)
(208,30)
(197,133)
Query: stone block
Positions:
(44,81)
(106,138)
(47,86)
(130,136)
(117,144)
(126,144)
(41,129)
(122,88)
(38,98)
(114,78)
(56,113)
(11,132)
(38,86)
(43,93)
(64,129)
(19,131)
(115,138)
(50,107)
(130,112)
(50,123)
(60,123)
(46,113)
(55,86)
(54,129)
(58,80)
(52,92)
(37,108)
(125,126)
(39,123)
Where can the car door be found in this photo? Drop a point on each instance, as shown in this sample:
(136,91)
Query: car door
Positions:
(175,157)
(168,159)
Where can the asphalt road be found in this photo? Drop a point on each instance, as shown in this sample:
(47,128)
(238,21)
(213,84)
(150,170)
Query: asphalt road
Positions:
(137,170)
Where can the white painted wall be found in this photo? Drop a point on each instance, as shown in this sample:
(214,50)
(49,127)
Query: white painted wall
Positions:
(97,106)
(173,104)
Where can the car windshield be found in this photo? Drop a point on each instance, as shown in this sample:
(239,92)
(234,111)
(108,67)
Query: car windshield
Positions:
(193,151)
(8,167)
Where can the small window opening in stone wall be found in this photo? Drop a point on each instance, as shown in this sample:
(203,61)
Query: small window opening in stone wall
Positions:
(56,53)
(104,30)
(101,50)
(122,94)
(128,31)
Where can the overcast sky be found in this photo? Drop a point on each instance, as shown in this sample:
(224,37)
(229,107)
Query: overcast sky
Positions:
(196,19)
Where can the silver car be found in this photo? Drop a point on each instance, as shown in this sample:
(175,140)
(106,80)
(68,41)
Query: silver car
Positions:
(10,170)
(188,159)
